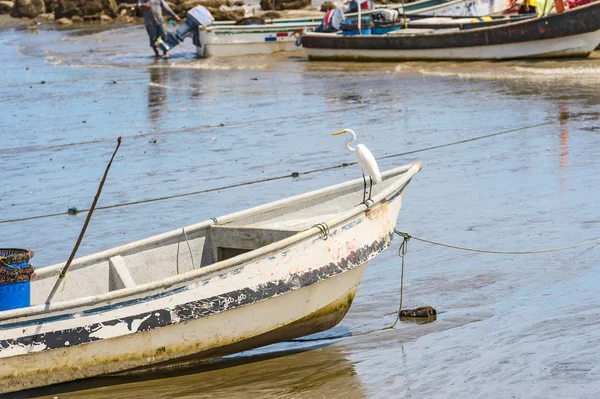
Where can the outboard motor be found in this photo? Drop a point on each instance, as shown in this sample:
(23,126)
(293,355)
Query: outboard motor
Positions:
(332,21)
(196,17)
(385,15)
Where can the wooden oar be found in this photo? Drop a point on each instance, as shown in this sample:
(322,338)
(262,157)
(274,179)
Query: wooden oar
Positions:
(63,273)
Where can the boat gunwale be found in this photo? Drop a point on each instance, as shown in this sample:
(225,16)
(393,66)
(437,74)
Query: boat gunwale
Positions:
(267,28)
(403,173)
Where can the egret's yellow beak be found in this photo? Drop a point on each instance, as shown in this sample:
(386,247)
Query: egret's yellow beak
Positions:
(340,132)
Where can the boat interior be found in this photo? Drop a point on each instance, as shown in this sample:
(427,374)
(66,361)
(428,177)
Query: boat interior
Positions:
(199,245)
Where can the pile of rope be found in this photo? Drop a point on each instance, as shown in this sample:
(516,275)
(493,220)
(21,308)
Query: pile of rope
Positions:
(16,275)
(15,267)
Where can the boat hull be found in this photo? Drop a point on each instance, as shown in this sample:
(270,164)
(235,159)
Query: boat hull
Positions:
(579,46)
(575,33)
(248,40)
(216,49)
(319,320)
(305,311)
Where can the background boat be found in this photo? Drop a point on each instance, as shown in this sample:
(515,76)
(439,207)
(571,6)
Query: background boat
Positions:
(574,33)
(225,39)
(239,40)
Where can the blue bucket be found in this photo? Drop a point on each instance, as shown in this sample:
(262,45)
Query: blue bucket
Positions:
(14,295)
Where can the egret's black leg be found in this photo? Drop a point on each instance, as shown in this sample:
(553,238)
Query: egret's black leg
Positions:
(364,189)
(370,186)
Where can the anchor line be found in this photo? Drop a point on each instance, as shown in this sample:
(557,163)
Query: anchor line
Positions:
(274,178)
(402,251)
(489,251)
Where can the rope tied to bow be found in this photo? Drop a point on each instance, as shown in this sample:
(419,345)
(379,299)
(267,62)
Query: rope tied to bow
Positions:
(402,251)
(490,251)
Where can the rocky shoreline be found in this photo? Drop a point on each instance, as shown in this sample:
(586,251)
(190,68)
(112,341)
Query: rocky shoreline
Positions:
(67,12)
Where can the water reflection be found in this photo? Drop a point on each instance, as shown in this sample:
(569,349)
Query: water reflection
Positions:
(157,94)
(321,372)
(563,118)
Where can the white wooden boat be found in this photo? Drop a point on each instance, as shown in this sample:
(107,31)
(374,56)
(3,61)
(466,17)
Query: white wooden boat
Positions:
(247,279)
(573,33)
(227,40)
(239,40)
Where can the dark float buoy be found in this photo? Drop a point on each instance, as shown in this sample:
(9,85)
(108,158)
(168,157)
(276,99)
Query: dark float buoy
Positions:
(424,311)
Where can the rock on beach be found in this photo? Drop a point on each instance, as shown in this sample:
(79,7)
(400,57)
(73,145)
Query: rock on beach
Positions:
(123,11)
(28,8)
(6,7)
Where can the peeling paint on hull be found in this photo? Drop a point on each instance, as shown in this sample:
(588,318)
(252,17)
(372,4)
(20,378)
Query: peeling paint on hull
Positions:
(320,320)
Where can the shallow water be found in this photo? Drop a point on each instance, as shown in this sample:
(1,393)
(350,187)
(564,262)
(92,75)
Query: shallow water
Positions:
(508,326)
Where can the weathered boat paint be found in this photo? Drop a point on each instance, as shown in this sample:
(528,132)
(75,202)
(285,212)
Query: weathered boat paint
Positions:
(572,33)
(291,287)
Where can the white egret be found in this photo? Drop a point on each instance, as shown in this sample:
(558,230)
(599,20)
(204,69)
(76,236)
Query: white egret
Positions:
(365,159)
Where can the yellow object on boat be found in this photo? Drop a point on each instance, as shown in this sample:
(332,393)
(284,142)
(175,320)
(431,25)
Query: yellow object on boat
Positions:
(482,19)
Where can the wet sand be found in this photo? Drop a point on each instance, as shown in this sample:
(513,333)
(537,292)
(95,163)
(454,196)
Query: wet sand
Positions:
(507,326)
(8,22)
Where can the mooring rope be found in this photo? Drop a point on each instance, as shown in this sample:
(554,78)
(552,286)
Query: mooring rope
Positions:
(402,253)
(489,251)
(164,133)
(189,248)
(404,249)
(3,261)
(274,178)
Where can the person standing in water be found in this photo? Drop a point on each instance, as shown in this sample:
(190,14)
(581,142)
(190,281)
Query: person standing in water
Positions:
(153,19)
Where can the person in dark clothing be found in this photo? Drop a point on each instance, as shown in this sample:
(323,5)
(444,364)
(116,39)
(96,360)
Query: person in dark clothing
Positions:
(528,7)
(153,19)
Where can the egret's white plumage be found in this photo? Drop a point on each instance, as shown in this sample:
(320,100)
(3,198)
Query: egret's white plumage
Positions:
(365,158)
